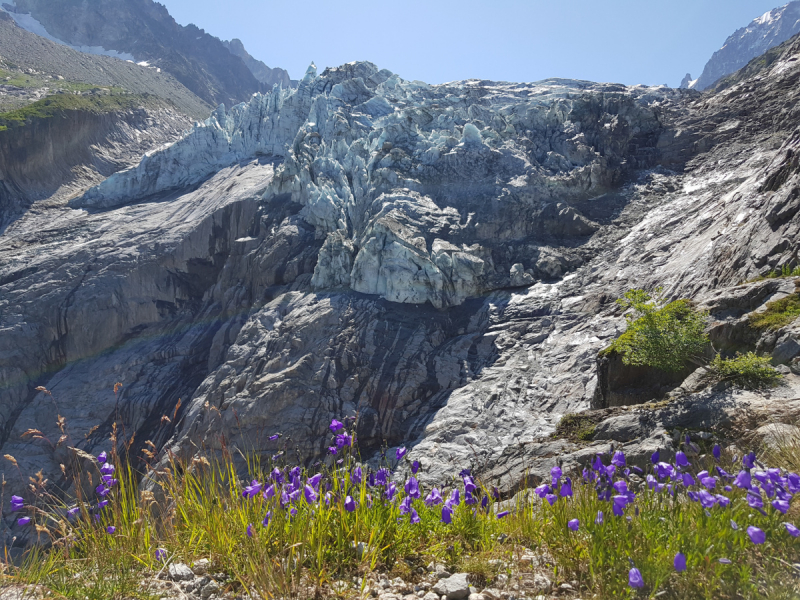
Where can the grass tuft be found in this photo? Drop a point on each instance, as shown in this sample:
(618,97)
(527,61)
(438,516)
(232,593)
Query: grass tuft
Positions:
(747,370)
(779,313)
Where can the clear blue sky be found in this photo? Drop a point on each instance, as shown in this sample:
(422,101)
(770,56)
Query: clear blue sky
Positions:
(622,41)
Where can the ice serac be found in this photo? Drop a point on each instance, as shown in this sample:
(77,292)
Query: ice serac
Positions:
(767,31)
(413,187)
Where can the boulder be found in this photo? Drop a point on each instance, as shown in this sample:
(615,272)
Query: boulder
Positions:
(455,587)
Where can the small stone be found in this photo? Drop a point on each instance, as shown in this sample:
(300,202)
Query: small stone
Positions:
(565,586)
(454,587)
(502,579)
(180,572)
(211,588)
(430,596)
(200,567)
(541,583)
(477,597)
(491,594)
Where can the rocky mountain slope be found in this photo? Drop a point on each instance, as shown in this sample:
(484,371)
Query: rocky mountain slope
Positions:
(260,71)
(439,260)
(745,44)
(144,31)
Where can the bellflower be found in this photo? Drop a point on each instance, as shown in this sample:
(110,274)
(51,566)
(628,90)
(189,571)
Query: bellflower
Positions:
(161,554)
(723,501)
(447,514)
(400,453)
(792,530)
(743,480)
(542,490)
(716,451)
(434,498)
(343,440)
(781,506)
(107,469)
(110,529)
(688,479)
(272,438)
(17,503)
(618,459)
(566,488)
(756,535)
(405,505)
(333,449)
(635,578)
(469,499)
(412,487)
(754,499)
(414,517)
(655,457)
(455,498)
(102,504)
(382,477)
(723,473)
(502,514)
(23,521)
(597,463)
(314,481)
(707,500)
(794,482)
(415,467)
(252,489)
(556,473)
(725,561)
(680,562)
(664,470)
(336,425)
(267,518)
(709,482)
(277,475)
(356,474)
(681,460)
(310,494)
(734,526)
(249,530)
(73,511)
(599,518)
(551,498)
(469,484)
(390,491)
(574,524)
(485,502)
(349,504)
(620,486)
(749,460)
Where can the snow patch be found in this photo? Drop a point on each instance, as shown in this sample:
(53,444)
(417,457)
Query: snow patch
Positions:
(27,22)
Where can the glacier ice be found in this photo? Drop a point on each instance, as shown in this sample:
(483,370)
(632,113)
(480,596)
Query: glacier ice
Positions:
(378,163)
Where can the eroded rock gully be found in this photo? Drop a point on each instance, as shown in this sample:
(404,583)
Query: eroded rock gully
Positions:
(439,260)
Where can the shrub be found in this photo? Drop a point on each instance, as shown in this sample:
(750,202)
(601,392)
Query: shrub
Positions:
(575,427)
(661,335)
(778,314)
(746,370)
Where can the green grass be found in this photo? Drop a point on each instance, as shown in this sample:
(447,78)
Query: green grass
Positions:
(784,271)
(59,104)
(779,313)
(746,370)
(202,513)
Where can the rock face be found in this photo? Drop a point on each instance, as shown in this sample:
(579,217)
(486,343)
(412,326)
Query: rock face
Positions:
(439,260)
(260,71)
(145,31)
(767,31)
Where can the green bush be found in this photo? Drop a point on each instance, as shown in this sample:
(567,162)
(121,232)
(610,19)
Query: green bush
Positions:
(661,335)
(778,314)
(575,427)
(746,370)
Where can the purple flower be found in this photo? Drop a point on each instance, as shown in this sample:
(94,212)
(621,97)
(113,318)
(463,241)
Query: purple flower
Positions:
(23,521)
(709,482)
(754,499)
(734,526)
(723,472)
(655,457)
(356,474)
(412,487)
(414,517)
(724,561)
(455,498)
(415,467)
(102,457)
(743,480)
(794,482)
(618,459)
(277,475)
(252,489)
(635,578)
(502,514)
(792,530)
(382,476)
(599,518)
(469,484)
(680,562)
(269,492)
(400,453)
(315,480)
(551,498)
(447,514)
(272,438)
(102,504)
(405,505)
(782,506)
(716,451)
(665,470)
(107,469)
(621,486)
(333,449)
(17,503)
(310,494)
(597,463)
(267,518)
(110,529)
(681,460)
(574,524)
(485,503)
(390,491)
(349,504)
(707,499)
(336,425)
(749,460)
(343,440)
(756,535)
(723,501)
(161,554)
(542,490)
(434,498)
(73,511)
(556,473)
(566,488)
(249,530)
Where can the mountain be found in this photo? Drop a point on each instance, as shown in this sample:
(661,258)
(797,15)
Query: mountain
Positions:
(765,32)
(143,31)
(260,71)
(440,260)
